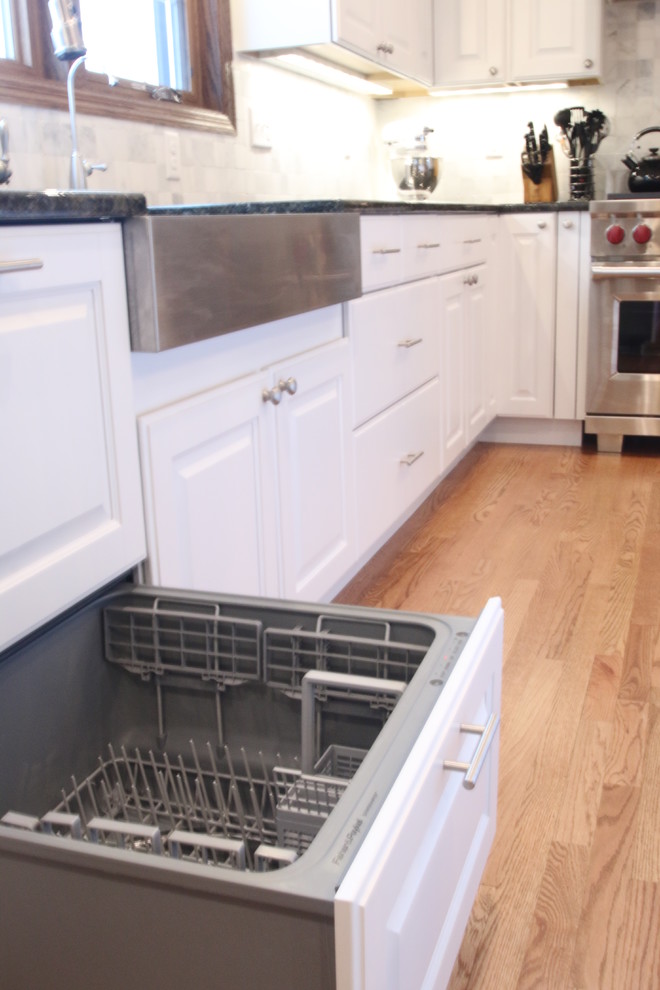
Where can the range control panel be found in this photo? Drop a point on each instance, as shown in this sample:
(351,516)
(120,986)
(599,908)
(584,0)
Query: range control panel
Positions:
(626,229)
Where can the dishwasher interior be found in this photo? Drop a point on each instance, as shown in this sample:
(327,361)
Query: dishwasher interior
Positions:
(218,733)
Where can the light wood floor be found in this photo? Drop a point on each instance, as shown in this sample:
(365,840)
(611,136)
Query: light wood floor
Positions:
(570,539)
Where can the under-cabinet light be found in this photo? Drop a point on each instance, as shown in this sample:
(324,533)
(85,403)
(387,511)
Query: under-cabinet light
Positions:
(328,73)
(507,88)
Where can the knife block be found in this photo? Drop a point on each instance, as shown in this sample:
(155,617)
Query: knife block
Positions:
(546,190)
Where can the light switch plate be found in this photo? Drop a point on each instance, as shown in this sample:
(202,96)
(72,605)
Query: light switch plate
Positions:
(172,155)
(260,132)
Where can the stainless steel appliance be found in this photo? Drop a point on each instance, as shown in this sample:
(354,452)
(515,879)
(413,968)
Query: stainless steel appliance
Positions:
(187,783)
(623,356)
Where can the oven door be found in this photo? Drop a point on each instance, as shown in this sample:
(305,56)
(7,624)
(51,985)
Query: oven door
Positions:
(623,363)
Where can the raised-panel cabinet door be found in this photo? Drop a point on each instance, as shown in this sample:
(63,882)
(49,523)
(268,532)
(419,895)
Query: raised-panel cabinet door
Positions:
(70,498)
(562,39)
(401,910)
(357,25)
(408,28)
(451,313)
(528,256)
(470,41)
(476,351)
(210,492)
(315,471)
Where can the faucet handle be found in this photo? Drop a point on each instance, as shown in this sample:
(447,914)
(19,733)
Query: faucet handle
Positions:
(94,167)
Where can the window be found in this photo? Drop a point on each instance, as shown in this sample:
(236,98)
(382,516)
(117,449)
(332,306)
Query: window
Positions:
(172,60)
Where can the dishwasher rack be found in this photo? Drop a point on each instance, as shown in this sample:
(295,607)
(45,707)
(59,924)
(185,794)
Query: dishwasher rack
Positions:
(229,803)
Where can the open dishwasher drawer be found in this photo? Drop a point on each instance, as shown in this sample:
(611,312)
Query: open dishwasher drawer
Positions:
(204,791)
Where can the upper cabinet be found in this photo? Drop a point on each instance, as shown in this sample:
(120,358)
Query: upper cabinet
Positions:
(562,39)
(385,33)
(500,41)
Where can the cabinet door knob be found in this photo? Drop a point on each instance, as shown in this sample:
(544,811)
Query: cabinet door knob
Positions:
(542,224)
(493,70)
(588,63)
(273,395)
(290,385)
(567,224)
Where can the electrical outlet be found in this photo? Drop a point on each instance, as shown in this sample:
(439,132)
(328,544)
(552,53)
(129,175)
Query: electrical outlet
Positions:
(260,132)
(172,155)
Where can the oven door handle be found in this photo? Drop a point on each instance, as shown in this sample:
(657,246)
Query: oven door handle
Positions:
(625,271)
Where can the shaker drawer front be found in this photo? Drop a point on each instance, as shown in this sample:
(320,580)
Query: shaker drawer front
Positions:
(424,246)
(467,240)
(401,911)
(396,459)
(381,251)
(394,340)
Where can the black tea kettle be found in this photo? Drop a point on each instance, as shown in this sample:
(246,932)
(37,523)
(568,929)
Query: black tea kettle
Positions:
(644,173)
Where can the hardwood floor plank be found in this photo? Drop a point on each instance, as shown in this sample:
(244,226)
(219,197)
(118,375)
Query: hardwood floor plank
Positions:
(605,907)
(646,864)
(629,736)
(578,813)
(551,944)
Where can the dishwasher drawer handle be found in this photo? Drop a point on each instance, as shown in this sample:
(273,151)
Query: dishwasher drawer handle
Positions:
(24,265)
(473,769)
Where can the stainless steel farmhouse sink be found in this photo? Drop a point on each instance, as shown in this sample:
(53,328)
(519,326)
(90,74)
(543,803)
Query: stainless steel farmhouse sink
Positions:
(191,276)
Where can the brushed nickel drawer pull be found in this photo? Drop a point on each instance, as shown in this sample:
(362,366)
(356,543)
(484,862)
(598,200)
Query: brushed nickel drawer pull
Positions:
(25,265)
(410,459)
(386,251)
(410,342)
(473,240)
(473,769)
(430,246)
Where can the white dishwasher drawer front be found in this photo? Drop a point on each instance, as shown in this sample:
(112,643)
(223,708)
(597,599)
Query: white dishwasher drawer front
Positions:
(401,911)
(397,458)
(394,342)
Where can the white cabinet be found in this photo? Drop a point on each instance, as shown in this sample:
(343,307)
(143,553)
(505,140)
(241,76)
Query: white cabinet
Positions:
(562,39)
(527,259)
(464,359)
(470,42)
(248,496)
(402,908)
(396,398)
(499,41)
(70,498)
(386,33)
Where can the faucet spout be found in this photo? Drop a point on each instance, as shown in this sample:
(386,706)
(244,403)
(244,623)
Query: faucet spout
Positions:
(80,167)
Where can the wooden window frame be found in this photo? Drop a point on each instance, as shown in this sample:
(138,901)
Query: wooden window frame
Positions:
(37,78)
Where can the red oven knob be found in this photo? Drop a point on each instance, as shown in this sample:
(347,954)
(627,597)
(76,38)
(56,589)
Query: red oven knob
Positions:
(642,233)
(615,233)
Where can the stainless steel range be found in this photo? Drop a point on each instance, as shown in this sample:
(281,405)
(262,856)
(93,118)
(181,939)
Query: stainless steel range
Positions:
(623,358)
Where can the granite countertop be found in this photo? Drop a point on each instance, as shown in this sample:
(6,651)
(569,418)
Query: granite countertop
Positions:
(63,206)
(68,206)
(369,207)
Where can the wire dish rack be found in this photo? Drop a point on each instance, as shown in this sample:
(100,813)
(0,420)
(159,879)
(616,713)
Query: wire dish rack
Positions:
(226,803)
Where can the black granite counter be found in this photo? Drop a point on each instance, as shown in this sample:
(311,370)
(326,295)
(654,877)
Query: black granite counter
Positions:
(68,206)
(78,206)
(367,207)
